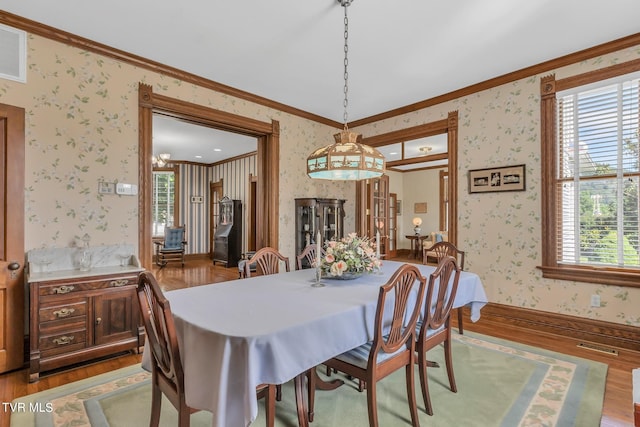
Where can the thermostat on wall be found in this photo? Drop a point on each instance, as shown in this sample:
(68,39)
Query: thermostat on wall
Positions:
(126,189)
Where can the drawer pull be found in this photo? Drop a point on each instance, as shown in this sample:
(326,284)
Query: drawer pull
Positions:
(63,340)
(64,312)
(119,282)
(98,320)
(64,289)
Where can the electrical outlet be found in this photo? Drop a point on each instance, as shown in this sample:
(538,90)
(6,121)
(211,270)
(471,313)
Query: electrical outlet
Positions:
(595,300)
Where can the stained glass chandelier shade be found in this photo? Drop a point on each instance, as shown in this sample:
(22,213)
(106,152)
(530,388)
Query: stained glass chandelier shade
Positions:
(347,158)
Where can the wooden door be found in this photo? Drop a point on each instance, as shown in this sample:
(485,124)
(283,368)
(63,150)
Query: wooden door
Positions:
(372,210)
(12,327)
(379,212)
(393,226)
(115,316)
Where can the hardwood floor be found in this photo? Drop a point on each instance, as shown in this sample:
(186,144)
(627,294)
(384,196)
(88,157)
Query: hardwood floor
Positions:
(618,407)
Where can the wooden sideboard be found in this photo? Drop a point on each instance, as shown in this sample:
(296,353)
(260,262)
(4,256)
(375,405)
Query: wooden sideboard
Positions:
(78,316)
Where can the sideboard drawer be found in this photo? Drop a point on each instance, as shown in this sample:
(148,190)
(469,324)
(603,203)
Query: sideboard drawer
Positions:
(51,289)
(70,309)
(63,342)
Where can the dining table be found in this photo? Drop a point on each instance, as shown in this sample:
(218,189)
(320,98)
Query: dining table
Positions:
(271,329)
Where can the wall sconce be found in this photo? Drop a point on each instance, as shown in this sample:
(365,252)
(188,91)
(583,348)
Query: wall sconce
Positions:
(417,222)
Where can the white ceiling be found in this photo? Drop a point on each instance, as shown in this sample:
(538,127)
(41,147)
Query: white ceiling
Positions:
(291,51)
(194,143)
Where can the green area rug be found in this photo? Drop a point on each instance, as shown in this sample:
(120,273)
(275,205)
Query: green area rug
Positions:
(500,383)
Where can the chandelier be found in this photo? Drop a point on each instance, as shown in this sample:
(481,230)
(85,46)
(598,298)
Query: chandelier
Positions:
(161,159)
(347,158)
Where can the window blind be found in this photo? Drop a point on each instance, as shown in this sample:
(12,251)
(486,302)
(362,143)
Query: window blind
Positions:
(597,182)
(162,201)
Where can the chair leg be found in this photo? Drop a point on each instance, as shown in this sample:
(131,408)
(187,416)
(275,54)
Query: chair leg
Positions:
(270,405)
(449,363)
(460,326)
(184,414)
(156,402)
(411,394)
(279,392)
(372,403)
(424,385)
(311,392)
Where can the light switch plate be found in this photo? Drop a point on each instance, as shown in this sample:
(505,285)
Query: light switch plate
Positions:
(106,187)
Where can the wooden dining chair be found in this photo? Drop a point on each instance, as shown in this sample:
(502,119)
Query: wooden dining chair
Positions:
(267,261)
(440,250)
(308,254)
(435,327)
(393,345)
(167,375)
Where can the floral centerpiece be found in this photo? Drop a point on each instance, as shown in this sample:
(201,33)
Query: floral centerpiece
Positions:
(349,257)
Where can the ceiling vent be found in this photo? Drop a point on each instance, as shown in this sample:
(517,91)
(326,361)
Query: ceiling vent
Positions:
(13,54)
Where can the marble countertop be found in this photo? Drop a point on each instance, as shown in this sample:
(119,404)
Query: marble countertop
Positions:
(65,263)
(76,273)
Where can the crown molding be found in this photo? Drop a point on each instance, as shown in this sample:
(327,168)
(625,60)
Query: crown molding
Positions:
(138,61)
(61,36)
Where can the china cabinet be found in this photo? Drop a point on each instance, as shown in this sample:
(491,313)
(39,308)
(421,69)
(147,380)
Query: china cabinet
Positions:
(227,242)
(313,215)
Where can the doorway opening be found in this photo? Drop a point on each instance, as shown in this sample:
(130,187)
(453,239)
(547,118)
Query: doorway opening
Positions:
(365,204)
(267,134)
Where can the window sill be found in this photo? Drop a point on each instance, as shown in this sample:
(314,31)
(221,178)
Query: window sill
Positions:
(605,276)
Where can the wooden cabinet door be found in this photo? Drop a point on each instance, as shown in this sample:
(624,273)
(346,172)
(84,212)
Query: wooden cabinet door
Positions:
(12,325)
(115,316)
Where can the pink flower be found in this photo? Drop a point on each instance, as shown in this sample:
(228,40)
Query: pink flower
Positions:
(338,268)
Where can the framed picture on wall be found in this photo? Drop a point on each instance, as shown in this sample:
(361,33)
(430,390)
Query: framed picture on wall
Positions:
(508,178)
(420,207)
(399,207)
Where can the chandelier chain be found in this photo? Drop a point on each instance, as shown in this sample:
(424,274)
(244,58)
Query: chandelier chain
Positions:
(345,103)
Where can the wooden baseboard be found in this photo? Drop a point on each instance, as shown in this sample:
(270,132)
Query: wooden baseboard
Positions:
(579,328)
(403,253)
(196,256)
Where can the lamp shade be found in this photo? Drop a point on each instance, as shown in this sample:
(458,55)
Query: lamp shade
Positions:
(346,159)
(417,222)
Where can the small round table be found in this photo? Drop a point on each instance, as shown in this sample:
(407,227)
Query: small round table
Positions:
(416,244)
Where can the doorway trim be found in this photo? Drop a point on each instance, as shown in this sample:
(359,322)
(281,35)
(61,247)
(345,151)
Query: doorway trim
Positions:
(267,134)
(12,285)
(448,126)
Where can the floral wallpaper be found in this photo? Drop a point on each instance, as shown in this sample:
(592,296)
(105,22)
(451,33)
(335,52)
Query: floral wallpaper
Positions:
(500,232)
(82,129)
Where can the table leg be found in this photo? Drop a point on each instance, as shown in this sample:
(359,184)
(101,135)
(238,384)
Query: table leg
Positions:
(325,385)
(314,382)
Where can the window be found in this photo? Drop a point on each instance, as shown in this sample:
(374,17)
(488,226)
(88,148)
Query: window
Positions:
(591,194)
(163,201)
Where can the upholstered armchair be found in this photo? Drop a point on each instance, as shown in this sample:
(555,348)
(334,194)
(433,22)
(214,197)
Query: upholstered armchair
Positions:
(172,247)
(436,236)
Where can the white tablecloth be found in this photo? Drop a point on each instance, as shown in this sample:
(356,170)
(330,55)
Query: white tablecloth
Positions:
(268,329)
